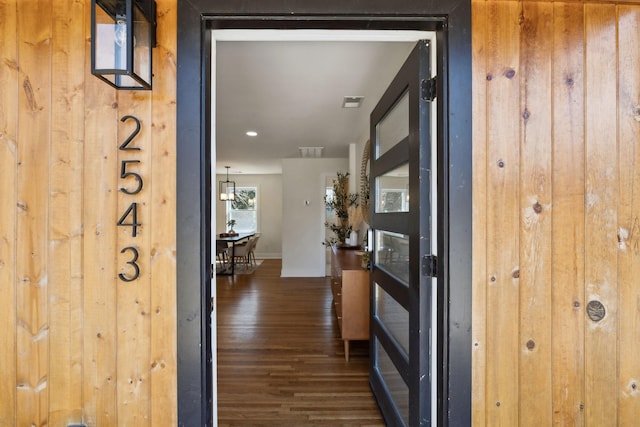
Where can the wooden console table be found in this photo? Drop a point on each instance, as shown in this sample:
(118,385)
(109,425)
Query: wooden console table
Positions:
(350,288)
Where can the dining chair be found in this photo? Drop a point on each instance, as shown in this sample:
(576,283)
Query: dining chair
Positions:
(252,251)
(221,252)
(241,253)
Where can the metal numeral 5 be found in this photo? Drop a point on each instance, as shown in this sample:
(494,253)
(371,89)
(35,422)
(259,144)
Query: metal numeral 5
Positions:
(124,174)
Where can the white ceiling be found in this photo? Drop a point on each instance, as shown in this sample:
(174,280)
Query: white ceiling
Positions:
(291,93)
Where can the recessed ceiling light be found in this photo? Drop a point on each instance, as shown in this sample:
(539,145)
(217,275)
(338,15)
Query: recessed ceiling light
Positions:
(352,101)
(252,133)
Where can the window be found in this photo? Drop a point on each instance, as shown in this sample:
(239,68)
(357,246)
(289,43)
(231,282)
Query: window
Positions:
(244,209)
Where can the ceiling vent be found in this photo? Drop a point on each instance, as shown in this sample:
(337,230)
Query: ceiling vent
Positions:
(352,101)
(314,152)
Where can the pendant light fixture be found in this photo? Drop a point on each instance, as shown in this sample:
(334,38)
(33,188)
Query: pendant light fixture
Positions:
(227,189)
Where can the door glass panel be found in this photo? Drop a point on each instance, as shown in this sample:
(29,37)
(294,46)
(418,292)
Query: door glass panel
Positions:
(392,190)
(392,254)
(394,127)
(393,316)
(395,384)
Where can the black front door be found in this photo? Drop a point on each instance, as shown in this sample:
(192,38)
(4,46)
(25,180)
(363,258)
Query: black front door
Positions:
(403,340)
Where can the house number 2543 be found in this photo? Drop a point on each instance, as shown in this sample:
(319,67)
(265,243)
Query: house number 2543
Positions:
(132,183)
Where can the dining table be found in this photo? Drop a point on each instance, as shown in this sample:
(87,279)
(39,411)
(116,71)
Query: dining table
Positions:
(233,238)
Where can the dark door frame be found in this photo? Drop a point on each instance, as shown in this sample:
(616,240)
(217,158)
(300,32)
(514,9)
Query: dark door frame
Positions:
(193,244)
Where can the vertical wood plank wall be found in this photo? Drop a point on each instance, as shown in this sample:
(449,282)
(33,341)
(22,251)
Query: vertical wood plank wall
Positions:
(556,116)
(79,345)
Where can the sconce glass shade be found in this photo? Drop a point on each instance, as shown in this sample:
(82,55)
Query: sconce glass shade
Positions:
(122,40)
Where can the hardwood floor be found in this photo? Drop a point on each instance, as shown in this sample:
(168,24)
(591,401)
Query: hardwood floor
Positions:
(280,358)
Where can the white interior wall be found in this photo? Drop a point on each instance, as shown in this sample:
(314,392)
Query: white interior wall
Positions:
(303,254)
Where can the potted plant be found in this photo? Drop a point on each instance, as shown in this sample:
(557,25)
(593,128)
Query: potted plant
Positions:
(340,203)
(230,224)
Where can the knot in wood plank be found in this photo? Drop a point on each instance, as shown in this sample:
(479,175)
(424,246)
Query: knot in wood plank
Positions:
(537,207)
(30,95)
(510,73)
(596,311)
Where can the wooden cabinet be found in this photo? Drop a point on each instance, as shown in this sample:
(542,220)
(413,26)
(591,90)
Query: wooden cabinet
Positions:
(350,288)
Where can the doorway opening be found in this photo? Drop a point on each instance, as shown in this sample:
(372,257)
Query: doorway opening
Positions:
(292,50)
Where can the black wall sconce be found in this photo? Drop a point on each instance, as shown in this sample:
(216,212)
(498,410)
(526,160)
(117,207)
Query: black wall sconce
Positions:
(123,34)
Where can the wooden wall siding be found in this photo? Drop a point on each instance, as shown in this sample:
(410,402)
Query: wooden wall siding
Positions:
(629,202)
(162,247)
(568,181)
(480,165)
(601,212)
(78,345)
(556,134)
(34,150)
(8,216)
(65,202)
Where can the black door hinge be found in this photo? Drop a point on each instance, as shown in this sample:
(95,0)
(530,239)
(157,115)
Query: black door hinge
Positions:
(429,88)
(430,265)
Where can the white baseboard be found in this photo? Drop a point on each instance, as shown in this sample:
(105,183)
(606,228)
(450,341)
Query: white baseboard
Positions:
(301,273)
(268,255)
